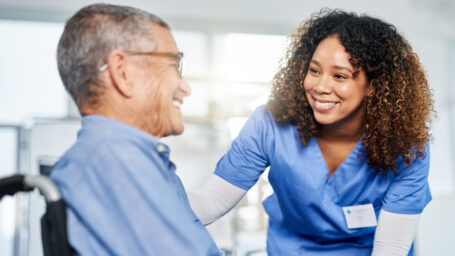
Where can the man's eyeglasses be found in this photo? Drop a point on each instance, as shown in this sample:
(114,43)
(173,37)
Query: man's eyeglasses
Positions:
(177,56)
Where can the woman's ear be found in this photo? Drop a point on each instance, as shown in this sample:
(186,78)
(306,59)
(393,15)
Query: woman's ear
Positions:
(120,73)
(370,90)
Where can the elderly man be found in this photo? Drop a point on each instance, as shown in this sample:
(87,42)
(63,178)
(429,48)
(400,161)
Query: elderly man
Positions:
(123,69)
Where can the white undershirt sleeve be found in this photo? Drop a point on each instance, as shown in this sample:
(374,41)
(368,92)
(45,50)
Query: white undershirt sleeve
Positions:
(394,233)
(214,199)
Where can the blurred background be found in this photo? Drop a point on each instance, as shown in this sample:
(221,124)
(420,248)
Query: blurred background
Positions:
(232,50)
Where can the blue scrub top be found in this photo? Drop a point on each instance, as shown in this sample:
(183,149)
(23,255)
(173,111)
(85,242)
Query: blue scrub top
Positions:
(305,210)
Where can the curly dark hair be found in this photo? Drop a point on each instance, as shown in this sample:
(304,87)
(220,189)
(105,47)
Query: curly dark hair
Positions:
(398,113)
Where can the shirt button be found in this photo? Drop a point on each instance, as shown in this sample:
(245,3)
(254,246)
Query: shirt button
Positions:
(160,148)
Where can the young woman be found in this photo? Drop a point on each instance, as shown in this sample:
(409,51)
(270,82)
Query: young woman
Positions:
(345,133)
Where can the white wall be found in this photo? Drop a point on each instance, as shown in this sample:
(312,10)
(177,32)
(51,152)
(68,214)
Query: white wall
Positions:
(29,79)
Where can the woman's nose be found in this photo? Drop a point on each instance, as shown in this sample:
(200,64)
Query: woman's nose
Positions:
(322,85)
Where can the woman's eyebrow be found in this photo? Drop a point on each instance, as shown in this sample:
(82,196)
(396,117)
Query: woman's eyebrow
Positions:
(342,67)
(315,62)
(333,66)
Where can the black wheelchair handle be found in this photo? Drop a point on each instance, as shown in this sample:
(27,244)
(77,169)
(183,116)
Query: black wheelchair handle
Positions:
(23,183)
(12,184)
(45,186)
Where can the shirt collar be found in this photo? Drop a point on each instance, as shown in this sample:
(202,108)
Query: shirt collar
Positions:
(105,126)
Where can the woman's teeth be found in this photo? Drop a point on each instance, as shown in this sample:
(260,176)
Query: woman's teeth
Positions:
(325,104)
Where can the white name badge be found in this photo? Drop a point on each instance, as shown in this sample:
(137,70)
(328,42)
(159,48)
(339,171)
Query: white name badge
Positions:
(360,216)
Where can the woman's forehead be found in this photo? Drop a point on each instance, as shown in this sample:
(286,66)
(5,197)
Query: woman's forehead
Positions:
(331,51)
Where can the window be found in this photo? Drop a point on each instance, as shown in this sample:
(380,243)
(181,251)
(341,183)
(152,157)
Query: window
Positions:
(29,78)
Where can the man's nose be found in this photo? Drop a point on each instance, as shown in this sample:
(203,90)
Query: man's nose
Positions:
(185,87)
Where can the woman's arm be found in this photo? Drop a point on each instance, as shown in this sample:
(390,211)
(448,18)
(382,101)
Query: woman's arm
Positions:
(394,234)
(214,199)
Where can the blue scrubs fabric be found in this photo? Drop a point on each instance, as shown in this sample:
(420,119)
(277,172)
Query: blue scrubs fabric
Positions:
(123,196)
(305,210)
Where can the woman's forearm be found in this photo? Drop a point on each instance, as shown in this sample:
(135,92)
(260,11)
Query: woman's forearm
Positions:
(394,233)
(214,199)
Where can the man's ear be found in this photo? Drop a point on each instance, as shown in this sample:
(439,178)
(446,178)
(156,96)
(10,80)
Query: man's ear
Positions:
(120,73)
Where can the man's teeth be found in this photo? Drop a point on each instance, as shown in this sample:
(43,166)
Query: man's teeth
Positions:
(176,103)
(325,104)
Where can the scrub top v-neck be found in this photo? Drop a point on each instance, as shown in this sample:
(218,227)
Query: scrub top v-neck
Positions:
(305,210)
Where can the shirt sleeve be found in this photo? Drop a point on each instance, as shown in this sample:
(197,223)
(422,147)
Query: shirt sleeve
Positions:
(409,192)
(250,152)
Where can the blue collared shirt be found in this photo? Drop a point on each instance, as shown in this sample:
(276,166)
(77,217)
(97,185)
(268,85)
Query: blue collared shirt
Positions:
(306,214)
(123,196)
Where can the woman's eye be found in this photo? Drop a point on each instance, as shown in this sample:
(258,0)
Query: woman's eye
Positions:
(313,71)
(339,76)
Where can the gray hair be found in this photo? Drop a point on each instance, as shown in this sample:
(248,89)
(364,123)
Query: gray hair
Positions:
(88,38)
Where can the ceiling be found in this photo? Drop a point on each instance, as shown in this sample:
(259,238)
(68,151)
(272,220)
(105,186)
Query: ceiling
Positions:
(266,16)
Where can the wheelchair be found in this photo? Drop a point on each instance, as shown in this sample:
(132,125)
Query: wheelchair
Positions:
(53,223)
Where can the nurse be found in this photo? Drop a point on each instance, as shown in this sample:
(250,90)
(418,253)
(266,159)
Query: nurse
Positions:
(345,134)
